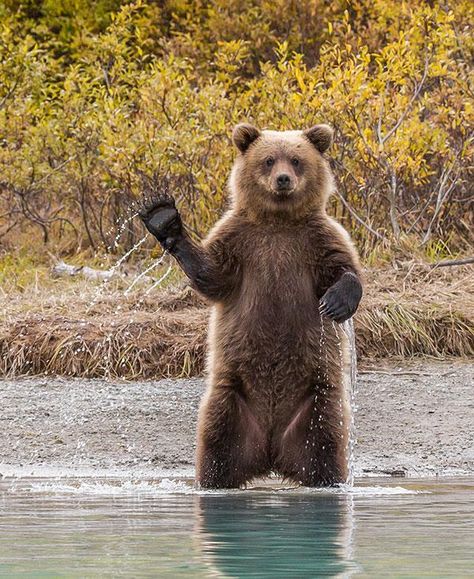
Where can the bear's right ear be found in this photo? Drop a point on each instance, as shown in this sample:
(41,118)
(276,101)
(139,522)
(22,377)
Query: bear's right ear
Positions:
(244,135)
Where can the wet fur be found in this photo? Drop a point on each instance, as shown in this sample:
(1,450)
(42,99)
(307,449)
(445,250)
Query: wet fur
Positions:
(275,399)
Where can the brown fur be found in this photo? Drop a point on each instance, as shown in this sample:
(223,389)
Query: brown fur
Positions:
(275,400)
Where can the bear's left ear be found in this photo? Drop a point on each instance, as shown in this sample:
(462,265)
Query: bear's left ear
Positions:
(244,135)
(321,136)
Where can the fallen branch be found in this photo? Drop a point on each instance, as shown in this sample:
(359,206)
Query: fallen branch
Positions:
(450,262)
(394,372)
(62,269)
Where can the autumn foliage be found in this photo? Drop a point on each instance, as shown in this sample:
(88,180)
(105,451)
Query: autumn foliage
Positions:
(95,95)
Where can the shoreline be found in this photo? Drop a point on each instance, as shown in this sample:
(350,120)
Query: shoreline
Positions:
(73,328)
(412,420)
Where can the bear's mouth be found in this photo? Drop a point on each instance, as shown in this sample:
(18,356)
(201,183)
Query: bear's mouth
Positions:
(282,195)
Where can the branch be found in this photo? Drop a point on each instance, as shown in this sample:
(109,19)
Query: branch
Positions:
(359,219)
(410,104)
(451,262)
(381,113)
(441,198)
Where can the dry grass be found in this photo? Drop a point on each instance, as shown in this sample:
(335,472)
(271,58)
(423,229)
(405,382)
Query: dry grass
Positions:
(69,327)
(135,347)
(74,328)
(417,311)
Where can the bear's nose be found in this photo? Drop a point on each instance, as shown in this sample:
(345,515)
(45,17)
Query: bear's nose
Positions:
(283,181)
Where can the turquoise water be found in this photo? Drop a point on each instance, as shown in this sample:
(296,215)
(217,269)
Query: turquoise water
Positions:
(110,528)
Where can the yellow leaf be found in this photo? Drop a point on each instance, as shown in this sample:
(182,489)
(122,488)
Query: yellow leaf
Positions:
(299,78)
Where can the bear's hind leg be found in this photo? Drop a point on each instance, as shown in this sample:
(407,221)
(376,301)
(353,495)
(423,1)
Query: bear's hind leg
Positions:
(232,447)
(313,448)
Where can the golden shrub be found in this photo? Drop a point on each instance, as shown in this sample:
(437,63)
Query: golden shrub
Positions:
(94,94)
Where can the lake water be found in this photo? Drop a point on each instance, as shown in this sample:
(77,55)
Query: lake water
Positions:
(164,528)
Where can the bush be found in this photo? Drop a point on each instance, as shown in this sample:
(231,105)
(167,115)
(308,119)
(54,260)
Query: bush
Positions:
(93,95)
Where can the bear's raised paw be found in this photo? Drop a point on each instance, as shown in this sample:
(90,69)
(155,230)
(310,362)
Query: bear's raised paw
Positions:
(160,216)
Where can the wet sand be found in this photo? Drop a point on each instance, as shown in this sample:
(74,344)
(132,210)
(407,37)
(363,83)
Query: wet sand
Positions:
(412,420)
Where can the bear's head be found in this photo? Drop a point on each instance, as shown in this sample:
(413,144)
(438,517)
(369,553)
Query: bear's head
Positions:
(281,172)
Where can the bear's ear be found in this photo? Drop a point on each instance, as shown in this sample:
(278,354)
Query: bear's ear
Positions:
(244,135)
(321,136)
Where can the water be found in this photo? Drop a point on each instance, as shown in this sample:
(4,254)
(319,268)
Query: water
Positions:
(140,276)
(119,262)
(144,273)
(349,372)
(160,280)
(351,391)
(116,527)
(122,224)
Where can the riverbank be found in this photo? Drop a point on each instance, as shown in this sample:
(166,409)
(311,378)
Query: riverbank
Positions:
(122,329)
(412,420)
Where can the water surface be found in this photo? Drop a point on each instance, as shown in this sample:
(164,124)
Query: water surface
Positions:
(116,527)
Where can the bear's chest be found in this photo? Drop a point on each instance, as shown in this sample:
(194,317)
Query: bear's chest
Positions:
(276,303)
(278,266)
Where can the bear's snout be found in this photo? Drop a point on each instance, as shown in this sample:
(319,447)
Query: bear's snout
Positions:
(283,181)
(283,185)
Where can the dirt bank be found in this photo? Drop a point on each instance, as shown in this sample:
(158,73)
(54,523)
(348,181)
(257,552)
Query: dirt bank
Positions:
(73,328)
(415,419)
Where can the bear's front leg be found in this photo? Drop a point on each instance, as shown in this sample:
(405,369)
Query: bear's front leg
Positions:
(161,218)
(231,445)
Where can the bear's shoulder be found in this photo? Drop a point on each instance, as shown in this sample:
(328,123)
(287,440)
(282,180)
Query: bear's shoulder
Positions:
(229,227)
(325,228)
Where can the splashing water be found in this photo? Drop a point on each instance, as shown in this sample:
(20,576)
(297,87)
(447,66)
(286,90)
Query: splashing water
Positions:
(349,377)
(121,229)
(100,293)
(112,270)
(143,273)
(322,344)
(114,487)
(172,486)
(351,390)
(115,267)
(160,280)
(100,288)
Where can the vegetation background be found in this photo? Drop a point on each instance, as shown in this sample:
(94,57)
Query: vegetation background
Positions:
(97,97)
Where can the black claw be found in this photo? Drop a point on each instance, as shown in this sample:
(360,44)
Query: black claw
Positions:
(150,204)
(340,311)
(160,216)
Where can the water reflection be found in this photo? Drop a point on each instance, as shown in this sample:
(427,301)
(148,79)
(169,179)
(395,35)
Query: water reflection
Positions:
(256,535)
(162,528)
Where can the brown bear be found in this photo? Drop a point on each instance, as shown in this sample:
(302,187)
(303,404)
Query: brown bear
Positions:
(280,272)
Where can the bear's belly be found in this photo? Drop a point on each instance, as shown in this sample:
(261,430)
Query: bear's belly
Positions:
(271,346)
(271,336)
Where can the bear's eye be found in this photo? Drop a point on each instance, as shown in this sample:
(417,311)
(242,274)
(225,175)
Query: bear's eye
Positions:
(295,161)
(270,161)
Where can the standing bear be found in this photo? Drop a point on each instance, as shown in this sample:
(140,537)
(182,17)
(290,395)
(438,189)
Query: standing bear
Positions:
(279,272)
